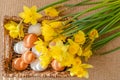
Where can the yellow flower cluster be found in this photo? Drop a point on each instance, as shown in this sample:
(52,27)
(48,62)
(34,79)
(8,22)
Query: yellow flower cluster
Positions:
(69,54)
(15,30)
(30,15)
(45,57)
(50,29)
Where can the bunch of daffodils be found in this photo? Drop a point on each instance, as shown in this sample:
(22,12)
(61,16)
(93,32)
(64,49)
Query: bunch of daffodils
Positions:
(70,42)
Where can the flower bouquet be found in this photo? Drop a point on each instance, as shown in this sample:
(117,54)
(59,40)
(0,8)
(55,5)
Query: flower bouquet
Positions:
(49,44)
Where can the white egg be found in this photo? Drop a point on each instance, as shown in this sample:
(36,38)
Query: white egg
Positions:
(35,65)
(36,52)
(19,48)
(36,29)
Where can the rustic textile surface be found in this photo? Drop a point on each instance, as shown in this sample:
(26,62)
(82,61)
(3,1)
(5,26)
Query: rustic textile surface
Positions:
(105,67)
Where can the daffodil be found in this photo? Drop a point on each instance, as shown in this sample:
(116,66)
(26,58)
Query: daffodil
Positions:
(56,24)
(45,22)
(78,69)
(48,32)
(51,11)
(79,53)
(62,37)
(30,15)
(39,44)
(79,37)
(45,59)
(93,34)
(60,53)
(87,53)
(74,47)
(53,24)
(15,30)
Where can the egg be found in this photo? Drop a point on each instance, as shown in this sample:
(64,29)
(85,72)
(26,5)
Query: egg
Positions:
(36,52)
(36,29)
(36,66)
(29,40)
(18,64)
(56,66)
(19,48)
(28,57)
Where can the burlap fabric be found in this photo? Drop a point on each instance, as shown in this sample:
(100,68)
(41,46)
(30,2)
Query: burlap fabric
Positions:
(106,67)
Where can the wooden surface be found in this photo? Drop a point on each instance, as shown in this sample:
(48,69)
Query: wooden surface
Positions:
(105,67)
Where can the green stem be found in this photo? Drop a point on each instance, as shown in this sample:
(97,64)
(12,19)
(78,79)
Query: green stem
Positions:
(87,21)
(102,42)
(52,4)
(96,15)
(111,51)
(112,29)
(116,18)
(78,4)
(96,7)
(91,3)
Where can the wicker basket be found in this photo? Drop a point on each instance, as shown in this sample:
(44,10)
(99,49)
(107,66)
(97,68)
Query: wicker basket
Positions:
(9,55)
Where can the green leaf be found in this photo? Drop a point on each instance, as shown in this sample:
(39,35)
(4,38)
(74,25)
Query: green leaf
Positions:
(110,51)
(52,4)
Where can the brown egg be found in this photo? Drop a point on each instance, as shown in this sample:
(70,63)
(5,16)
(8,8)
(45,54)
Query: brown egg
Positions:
(19,64)
(29,40)
(56,66)
(28,57)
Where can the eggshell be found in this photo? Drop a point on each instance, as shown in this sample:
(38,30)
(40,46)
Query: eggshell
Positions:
(19,48)
(28,57)
(29,40)
(36,29)
(36,66)
(56,66)
(36,52)
(19,64)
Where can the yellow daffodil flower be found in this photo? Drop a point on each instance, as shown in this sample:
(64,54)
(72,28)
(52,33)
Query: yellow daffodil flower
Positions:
(45,59)
(59,52)
(62,37)
(53,24)
(30,15)
(74,47)
(79,53)
(93,34)
(51,11)
(56,24)
(15,30)
(39,44)
(45,22)
(79,37)
(48,32)
(87,53)
(50,29)
(78,69)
